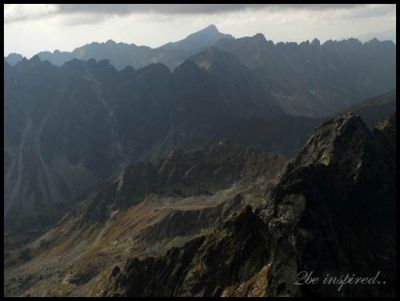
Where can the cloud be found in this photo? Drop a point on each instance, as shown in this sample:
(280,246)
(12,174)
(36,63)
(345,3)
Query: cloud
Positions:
(123,9)
(33,28)
(20,12)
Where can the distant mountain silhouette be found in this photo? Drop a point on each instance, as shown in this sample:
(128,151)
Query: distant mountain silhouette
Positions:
(13,58)
(121,54)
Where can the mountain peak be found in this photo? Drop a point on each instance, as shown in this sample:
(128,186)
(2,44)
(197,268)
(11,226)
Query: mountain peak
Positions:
(198,40)
(259,36)
(210,31)
(35,59)
(374,40)
(110,42)
(346,133)
(211,27)
(316,42)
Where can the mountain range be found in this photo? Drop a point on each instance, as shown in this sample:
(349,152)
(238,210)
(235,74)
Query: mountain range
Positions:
(185,170)
(307,79)
(68,128)
(121,55)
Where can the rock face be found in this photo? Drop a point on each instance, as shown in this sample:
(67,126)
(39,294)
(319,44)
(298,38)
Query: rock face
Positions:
(386,132)
(202,267)
(332,212)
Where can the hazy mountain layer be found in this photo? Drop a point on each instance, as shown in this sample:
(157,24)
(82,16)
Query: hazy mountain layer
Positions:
(121,55)
(307,79)
(375,109)
(69,128)
(313,79)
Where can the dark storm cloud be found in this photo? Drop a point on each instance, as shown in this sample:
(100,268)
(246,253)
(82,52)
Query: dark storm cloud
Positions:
(105,10)
(124,9)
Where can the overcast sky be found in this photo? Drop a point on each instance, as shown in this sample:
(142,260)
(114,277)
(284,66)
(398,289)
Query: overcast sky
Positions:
(30,28)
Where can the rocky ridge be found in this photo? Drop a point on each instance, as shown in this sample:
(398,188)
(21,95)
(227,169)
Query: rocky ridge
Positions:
(145,211)
(333,203)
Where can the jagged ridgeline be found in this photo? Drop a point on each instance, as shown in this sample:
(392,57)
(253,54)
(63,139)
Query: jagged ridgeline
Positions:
(307,79)
(121,55)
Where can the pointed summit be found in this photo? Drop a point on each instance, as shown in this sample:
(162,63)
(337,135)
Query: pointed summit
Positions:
(35,59)
(199,40)
(211,27)
(316,42)
(344,135)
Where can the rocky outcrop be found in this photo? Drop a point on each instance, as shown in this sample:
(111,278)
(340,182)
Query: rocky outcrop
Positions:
(333,212)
